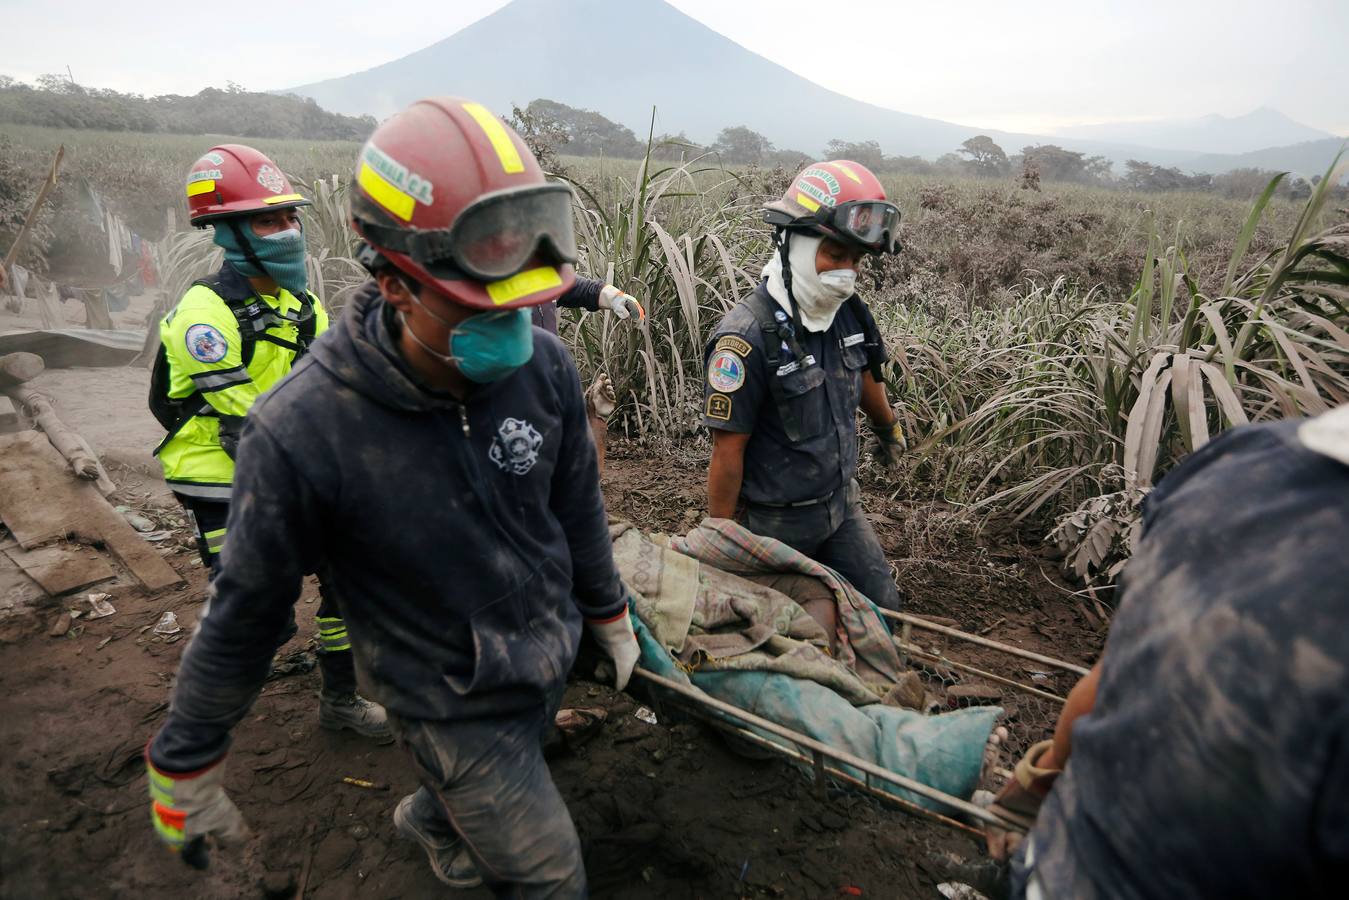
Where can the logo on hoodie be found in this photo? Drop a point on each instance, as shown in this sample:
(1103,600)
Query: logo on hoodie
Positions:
(515,448)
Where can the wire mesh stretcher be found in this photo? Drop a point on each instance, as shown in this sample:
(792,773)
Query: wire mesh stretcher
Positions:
(1029,717)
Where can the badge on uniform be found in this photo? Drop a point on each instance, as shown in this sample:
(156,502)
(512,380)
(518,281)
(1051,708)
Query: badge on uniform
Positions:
(719,407)
(736,345)
(206,344)
(726,372)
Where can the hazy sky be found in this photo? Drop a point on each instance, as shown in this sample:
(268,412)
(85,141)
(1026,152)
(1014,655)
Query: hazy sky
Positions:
(1030,66)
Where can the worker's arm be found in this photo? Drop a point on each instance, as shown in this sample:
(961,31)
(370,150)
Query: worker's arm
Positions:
(1081,700)
(576,501)
(874,401)
(276,522)
(725,472)
(584,294)
(1041,766)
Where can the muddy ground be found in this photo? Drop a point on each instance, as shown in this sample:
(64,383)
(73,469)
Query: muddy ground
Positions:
(664,810)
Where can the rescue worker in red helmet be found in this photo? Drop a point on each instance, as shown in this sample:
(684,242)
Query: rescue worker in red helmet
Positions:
(232,337)
(787,369)
(447,482)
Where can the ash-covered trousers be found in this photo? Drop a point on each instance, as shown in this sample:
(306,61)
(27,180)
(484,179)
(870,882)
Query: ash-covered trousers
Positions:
(486,781)
(836,534)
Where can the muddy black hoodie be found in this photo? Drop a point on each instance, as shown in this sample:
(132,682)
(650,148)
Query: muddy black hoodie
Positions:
(463,542)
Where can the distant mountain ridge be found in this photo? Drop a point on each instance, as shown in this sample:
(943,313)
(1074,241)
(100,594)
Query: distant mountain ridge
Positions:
(545,48)
(1263,128)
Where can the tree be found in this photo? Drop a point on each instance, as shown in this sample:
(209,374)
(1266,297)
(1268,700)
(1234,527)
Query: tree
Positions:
(868,153)
(740,144)
(986,158)
(675,147)
(543,136)
(588,133)
(1056,164)
(1144,176)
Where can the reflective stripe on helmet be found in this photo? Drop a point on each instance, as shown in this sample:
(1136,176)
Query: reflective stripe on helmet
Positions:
(524,284)
(496,133)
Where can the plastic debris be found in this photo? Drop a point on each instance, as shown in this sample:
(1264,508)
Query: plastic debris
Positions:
(168,624)
(100,606)
(955,890)
(646,715)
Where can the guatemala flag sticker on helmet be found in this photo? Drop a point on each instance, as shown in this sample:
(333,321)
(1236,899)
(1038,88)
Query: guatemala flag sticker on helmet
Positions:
(206,344)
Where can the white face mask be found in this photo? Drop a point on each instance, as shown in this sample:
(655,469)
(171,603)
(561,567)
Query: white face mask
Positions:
(840,283)
(818,294)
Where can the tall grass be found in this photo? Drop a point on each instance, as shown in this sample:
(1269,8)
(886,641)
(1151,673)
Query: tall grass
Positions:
(678,243)
(1075,405)
(1049,397)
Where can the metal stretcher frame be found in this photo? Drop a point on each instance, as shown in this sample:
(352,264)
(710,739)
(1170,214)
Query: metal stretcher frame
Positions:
(818,756)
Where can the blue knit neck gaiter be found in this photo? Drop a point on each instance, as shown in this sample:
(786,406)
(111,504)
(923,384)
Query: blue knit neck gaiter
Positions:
(282,255)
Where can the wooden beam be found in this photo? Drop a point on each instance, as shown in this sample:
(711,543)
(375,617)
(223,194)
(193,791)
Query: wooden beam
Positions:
(82,459)
(16,368)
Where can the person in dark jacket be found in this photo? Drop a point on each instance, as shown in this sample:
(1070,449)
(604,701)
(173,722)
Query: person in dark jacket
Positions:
(440,467)
(787,370)
(1207,752)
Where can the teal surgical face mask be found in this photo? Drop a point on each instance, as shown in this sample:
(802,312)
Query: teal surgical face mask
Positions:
(485,347)
(282,255)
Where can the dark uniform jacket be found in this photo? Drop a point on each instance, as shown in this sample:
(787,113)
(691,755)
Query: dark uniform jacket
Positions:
(1216,760)
(803,437)
(464,542)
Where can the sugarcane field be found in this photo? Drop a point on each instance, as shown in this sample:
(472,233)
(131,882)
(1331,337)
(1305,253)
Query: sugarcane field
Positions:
(674,449)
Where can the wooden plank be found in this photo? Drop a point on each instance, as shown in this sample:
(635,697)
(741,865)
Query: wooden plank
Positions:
(40,500)
(136,553)
(34,488)
(61,568)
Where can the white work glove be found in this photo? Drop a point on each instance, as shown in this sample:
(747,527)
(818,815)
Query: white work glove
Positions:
(186,809)
(620,304)
(618,640)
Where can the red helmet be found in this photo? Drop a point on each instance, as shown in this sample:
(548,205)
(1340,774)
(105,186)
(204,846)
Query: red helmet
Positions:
(840,200)
(452,197)
(233,180)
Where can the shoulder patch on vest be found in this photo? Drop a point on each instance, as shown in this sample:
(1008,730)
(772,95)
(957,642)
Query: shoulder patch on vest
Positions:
(205,343)
(725,372)
(735,344)
(719,407)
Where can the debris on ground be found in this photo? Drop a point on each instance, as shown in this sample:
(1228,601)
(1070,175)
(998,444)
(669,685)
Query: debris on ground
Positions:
(99,607)
(168,624)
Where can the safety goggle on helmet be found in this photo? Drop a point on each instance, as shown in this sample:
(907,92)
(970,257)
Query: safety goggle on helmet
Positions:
(494,237)
(841,200)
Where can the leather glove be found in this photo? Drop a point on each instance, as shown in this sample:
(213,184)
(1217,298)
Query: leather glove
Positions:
(187,808)
(231,429)
(890,443)
(1021,796)
(622,305)
(618,640)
